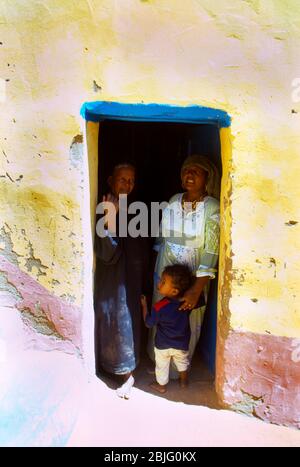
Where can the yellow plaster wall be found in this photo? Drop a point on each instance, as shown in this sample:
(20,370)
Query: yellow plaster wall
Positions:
(240,56)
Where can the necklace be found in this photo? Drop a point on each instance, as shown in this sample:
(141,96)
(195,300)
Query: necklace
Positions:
(193,203)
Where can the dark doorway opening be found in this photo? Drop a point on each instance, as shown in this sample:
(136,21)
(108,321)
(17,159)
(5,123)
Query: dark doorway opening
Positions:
(157,150)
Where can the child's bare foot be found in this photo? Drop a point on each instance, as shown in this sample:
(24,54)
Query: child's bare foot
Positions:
(158,387)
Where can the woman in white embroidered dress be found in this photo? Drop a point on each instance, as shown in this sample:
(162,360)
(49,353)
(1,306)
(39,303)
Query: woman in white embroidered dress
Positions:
(189,234)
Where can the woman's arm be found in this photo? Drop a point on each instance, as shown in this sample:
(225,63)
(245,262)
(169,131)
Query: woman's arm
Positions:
(209,257)
(191,297)
(108,246)
(210,253)
(108,249)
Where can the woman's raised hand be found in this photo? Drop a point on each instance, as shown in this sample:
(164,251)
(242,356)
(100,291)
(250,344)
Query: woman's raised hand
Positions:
(109,198)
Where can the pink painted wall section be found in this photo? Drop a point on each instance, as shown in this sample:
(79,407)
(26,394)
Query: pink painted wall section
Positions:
(43,313)
(260,375)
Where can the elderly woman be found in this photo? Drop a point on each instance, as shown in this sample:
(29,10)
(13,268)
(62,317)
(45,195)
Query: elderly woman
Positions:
(190,235)
(120,281)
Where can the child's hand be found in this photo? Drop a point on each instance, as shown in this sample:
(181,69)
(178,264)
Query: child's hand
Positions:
(143,300)
(144,306)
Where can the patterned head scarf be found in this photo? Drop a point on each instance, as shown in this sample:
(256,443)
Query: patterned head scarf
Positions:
(213,178)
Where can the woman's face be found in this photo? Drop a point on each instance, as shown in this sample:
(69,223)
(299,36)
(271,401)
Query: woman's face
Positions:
(194,178)
(122,181)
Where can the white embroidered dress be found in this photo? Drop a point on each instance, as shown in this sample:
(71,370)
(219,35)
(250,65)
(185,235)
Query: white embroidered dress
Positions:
(189,237)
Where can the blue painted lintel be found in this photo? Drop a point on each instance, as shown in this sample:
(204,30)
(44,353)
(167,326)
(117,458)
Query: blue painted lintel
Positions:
(101,110)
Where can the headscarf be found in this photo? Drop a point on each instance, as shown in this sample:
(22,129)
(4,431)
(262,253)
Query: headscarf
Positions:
(213,178)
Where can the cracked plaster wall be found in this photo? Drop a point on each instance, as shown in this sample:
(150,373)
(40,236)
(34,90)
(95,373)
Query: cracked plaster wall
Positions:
(240,56)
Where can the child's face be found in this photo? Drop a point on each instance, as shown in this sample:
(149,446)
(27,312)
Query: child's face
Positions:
(166,288)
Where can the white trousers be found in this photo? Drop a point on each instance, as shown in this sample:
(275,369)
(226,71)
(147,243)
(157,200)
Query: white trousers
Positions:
(163,358)
(196,319)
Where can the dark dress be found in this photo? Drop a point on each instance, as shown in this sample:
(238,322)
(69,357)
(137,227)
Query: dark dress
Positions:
(121,276)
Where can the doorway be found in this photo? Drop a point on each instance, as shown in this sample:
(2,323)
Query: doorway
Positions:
(197,117)
(157,150)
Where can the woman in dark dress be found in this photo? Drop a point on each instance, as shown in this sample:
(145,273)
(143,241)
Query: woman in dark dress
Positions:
(120,281)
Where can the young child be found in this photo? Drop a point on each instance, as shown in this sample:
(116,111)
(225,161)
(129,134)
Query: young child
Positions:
(173,326)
